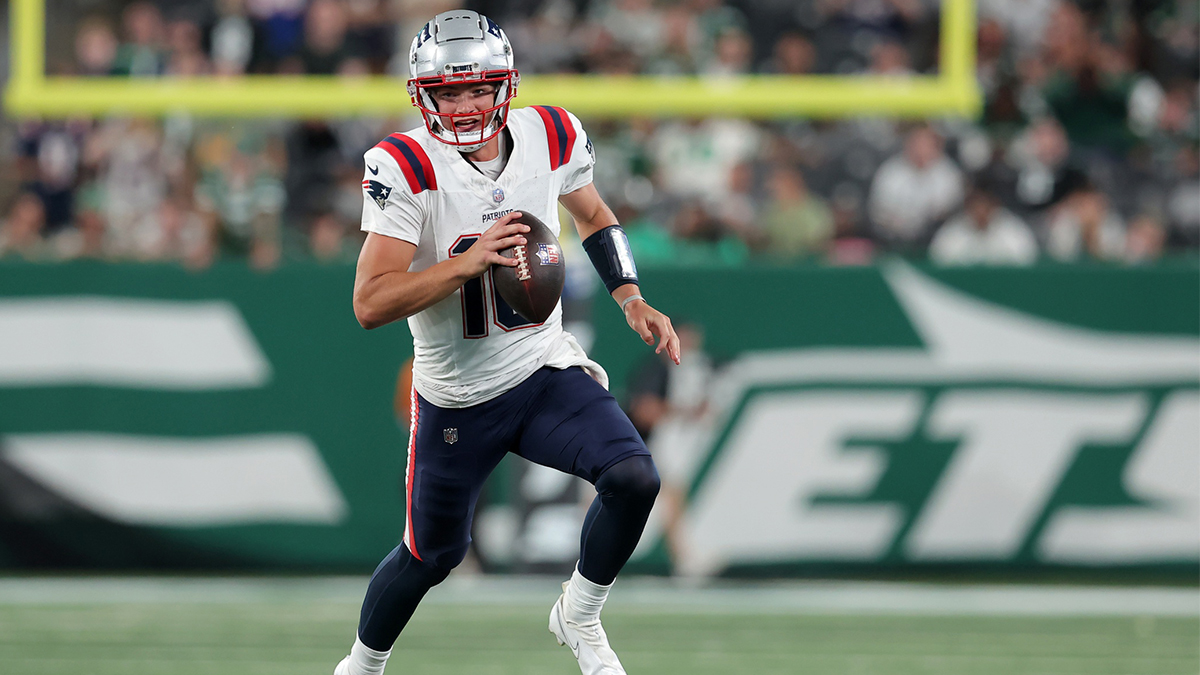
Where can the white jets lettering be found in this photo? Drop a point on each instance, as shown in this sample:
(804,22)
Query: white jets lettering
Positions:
(792,449)
(1015,447)
(1164,476)
(1022,398)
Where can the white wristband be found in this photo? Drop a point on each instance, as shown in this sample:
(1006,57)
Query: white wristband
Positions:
(630,299)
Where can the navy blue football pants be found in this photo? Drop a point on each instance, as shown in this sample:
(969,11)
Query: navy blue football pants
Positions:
(557,418)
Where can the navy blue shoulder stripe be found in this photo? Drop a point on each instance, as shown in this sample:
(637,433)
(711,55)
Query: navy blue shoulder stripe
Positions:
(412,160)
(559,131)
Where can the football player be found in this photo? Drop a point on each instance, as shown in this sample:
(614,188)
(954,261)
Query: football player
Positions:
(439,206)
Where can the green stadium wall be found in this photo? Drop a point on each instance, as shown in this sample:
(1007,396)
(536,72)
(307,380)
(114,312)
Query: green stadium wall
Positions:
(866,420)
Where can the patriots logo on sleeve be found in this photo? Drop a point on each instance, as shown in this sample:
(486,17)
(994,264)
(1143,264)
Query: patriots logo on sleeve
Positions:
(377,191)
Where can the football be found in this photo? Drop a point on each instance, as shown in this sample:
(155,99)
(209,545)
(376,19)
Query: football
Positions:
(533,287)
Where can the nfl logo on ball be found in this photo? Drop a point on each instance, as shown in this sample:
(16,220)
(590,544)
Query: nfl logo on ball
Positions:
(450,435)
(547,254)
(497,195)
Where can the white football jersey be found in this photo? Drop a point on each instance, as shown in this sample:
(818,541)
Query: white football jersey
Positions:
(471,347)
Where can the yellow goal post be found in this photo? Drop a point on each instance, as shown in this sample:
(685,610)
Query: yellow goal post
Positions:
(952,92)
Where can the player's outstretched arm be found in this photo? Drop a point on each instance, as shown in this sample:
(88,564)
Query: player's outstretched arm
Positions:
(385,291)
(592,216)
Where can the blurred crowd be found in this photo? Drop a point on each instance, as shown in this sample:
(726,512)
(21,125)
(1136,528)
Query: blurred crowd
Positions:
(1087,148)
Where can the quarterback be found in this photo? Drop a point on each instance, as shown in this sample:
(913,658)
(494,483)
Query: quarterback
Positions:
(439,206)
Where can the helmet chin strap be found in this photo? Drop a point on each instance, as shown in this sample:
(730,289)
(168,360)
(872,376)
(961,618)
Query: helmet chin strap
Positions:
(475,146)
(470,148)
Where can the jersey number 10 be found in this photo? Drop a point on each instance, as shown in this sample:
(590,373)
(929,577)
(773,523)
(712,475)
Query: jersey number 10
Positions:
(474,302)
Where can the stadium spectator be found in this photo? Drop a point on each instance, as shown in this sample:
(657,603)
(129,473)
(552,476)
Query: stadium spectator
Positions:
(991,64)
(793,55)
(795,223)
(713,19)
(180,234)
(1145,240)
(1178,118)
(984,233)
(131,175)
(241,197)
(1046,172)
(1089,85)
(49,168)
(324,47)
(331,238)
(281,23)
(633,25)
(695,236)
(329,242)
(95,48)
(914,190)
(850,246)
(1086,228)
(890,59)
(1173,43)
(233,38)
(314,162)
(892,19)
(854,27)
(142,54)
(681,39)
(542,41)
(739,211)
(186,56)
(732,55)
(1024,20)
(87,239)
(696,158)
(1183,198)
(693,223)
(667,406)
(21,231)
(369,32)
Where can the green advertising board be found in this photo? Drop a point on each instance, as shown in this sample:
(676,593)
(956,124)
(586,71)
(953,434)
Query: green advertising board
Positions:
(156,416)
(860,419)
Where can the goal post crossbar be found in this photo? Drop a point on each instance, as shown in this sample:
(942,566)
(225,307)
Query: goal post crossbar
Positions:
(953,91)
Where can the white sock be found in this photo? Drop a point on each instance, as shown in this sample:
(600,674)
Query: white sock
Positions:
(583,599)
(367,661)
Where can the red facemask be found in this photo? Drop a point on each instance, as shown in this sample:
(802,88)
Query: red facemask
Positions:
(441,125)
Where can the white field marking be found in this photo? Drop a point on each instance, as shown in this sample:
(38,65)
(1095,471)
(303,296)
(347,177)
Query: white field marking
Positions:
(636,594)
(183,482)
(154,344)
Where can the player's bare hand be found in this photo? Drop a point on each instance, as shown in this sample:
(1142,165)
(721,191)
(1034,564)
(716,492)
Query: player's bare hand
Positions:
(486,251)
(652,324)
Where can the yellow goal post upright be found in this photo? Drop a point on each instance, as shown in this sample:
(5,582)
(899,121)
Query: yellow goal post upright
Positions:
(952,92)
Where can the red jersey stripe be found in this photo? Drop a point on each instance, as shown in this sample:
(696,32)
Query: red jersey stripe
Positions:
(423,161)
(412,160)
(569,143)
(415,413)
(552,135)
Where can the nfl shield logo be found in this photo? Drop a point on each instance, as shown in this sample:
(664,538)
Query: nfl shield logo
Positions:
(547,254)
(497,195)
(450,435)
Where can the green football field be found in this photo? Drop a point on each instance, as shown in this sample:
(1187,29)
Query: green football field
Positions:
(299,627)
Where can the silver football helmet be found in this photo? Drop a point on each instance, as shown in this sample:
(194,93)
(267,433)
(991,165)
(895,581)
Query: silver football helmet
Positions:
(461,47)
